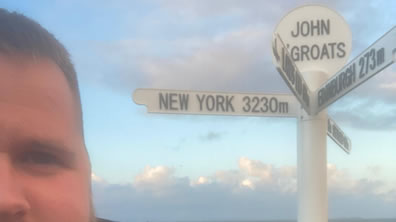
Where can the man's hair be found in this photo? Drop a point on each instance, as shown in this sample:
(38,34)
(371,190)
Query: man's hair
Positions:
(20,35)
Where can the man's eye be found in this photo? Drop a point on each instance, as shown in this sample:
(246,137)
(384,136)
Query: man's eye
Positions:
(40,158)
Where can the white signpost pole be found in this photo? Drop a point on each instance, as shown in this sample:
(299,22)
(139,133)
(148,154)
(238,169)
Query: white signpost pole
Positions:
(312,160)
(312,143)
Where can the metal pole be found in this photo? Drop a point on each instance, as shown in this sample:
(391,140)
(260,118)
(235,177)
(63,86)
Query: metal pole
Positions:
(312,160)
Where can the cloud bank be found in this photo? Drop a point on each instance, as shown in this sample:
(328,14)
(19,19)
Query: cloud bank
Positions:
(253,191)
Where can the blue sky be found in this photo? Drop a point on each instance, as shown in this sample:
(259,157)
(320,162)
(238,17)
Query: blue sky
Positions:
(180,167)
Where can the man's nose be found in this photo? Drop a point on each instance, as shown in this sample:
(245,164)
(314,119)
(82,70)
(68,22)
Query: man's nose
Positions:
(13,202)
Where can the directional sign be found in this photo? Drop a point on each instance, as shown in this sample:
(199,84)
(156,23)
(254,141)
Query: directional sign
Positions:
(290,73)
(318,38)
(338,136)
(370,62)
(216,103)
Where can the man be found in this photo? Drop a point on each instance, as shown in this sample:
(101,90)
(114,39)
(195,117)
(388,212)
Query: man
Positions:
(45,173)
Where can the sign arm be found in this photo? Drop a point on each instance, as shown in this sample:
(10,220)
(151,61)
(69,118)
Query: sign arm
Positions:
(291,74)
(338,136)
(216,103)
(371,61)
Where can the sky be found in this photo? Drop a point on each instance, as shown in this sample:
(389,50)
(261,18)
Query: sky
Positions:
(157,167)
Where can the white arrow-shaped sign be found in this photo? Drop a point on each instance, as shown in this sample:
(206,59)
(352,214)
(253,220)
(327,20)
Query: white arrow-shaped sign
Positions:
(217,103)
(290,73)
(370,62)
(338,136)
(234,104)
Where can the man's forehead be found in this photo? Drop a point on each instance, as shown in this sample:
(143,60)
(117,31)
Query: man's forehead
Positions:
(35,97)
(20,69)
(33,83)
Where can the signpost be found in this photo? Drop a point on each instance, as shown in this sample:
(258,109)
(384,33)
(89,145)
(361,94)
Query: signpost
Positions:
(315,42)
(309,44)
(217,103)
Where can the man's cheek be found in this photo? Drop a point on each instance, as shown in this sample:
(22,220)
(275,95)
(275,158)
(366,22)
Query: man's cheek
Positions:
(62,199)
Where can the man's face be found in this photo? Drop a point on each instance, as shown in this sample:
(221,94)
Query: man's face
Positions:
(44,168)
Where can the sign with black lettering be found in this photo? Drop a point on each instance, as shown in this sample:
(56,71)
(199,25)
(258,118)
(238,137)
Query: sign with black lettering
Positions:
(371,61)
(290,73)
(338,136)
(317,38)
(216,103)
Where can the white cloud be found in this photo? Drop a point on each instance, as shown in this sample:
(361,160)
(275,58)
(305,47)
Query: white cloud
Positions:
(228,177)
(96,179)
(391,85)
(286,179)
(391,195)
(339,179)
(372,112)
(201,181)
(254,174)
(256,168)
(233,60)
(248,183)
(159,181)
(154,178)
(219,64)
(374,171)
(340,182)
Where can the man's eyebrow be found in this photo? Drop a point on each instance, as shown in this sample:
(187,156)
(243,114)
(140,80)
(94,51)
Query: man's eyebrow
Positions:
(52,146)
